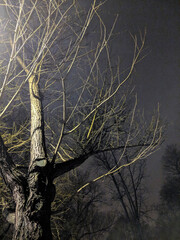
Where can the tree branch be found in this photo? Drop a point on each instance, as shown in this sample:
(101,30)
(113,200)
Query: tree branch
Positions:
(61,168)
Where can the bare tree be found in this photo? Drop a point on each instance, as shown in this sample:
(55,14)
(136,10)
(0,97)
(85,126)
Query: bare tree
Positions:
(127,186)
(168,210)
(76,104)
(128,189)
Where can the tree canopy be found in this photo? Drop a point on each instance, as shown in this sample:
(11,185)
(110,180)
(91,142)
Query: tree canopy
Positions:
(62,101)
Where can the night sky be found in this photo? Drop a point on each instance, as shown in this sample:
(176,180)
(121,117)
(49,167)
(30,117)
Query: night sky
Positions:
(157,76)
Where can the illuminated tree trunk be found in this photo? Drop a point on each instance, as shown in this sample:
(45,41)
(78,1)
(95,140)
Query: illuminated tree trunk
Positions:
(33,202)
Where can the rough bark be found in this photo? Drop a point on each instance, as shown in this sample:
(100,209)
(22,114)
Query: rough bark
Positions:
(33,204)
(32,218)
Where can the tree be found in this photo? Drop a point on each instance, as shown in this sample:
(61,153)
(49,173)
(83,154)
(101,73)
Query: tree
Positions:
(171,165)
(167,223)
(76,103)
(128,185)
(128,189)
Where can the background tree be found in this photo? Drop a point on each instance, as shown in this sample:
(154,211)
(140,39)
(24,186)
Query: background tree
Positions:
(167,224)
(128,185)
(76,104)
(171,166)
(128,190)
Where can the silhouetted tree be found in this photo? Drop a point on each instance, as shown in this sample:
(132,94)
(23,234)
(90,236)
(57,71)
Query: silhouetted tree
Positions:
(171,164)
(128,189)
(167,224)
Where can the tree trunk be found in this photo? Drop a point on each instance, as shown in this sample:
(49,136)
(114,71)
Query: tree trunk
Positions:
(33,202)
(32,218)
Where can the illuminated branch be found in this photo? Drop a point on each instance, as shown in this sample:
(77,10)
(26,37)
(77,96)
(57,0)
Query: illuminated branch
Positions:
(61,168)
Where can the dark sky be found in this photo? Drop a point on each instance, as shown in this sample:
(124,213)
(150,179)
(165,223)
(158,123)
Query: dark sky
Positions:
(157,77)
